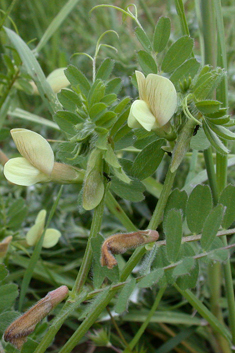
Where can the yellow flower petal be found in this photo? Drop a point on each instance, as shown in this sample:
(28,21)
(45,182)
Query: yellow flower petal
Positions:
(162,98)
(141,82)
(34,148)
(19,171)
(141,116)
(41,217)
(51,238)
(57,80)
(34,234)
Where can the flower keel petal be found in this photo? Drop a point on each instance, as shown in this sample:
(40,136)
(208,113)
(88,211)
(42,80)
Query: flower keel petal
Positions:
(141,116)
(19,171)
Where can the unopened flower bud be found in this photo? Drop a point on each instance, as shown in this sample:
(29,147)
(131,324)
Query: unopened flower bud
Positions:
(18,331)
(120,243)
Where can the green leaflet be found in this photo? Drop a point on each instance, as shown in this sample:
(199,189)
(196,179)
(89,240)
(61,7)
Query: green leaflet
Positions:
(227,199)
(221,131)
(198,207)
(188,69)
(177,200)
(208,106)
(172,227)
(187,281)
(77,78)
(144,164)
(185,266)
(199,142)
(143,39)
(69,99)
(161,34)
(132,192)
(214,139)
(150,279)
(8,294)
(177,54)
(211,226)
(105,69)
(146,62)
(123,298)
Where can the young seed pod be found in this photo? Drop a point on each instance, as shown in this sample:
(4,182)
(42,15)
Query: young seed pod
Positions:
(120,243)
(19,329)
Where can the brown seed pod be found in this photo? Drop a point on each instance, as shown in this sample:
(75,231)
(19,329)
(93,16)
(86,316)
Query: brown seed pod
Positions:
(120,243)
(18,331)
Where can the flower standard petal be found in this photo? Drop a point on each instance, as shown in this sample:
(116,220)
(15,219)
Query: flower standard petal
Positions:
(19,171)
(41,217)
(36,230)
(141,82)
(141,116)
(57,80)
(34,234)
(34,148)
(51,238)
(162,98)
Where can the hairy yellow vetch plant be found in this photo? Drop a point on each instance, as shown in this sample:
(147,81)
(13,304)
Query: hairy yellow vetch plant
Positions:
(157,103)
(37,162)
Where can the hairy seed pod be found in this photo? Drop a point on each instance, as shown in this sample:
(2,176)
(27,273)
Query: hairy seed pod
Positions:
(120,243)
(18,331)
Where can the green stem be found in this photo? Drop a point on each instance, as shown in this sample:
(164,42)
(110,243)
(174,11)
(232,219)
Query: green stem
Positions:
(180,11)
(214,271)
(221,161)
(211,173)
(230,294)
(86,324)
(204,312)
(153,224)
(87,258)
(192,166)
(142,328)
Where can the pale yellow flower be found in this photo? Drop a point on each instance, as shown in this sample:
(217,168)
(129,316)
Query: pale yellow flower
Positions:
(37,162)
(56,79)
(157,103)
(51,236)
